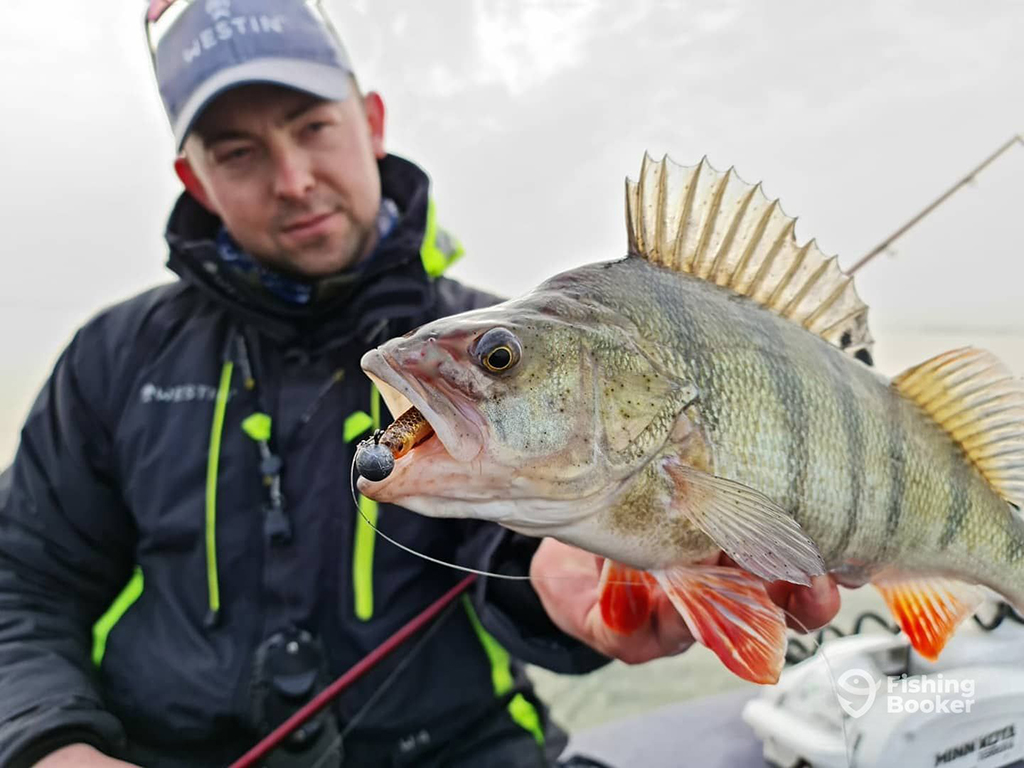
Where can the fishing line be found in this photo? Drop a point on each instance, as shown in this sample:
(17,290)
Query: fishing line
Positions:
(337,745)
(818,651)
(466,569)
(808,632)
(410,550)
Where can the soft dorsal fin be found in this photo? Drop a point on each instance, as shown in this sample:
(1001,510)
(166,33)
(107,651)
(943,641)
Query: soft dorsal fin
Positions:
(976,399)
(719,228)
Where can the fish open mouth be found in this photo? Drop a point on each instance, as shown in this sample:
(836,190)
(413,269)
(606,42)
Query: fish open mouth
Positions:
(452,429)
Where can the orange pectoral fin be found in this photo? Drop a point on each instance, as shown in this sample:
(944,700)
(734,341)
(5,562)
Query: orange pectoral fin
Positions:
(625,597)
(729,611)
(929,610)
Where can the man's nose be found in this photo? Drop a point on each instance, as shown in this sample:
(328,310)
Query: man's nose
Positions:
(293,174)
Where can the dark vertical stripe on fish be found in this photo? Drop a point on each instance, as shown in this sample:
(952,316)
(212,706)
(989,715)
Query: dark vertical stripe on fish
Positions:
(690,331)
(1015,535)
(957,482)
(853,429)
(789,392)
(897,455)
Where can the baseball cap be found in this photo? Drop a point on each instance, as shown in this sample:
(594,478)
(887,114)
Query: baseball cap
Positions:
(201,48)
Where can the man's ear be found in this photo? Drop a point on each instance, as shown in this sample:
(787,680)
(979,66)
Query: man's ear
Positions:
(374,106)
(192,183)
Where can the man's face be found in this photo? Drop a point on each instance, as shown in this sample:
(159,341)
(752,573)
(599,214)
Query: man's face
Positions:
(293,178)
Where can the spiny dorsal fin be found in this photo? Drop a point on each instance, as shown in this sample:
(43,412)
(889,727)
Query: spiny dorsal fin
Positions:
(719,228)
(976,399)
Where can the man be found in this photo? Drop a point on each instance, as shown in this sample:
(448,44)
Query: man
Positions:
(181,563)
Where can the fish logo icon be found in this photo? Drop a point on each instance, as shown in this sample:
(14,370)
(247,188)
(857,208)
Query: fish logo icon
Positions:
(851,682)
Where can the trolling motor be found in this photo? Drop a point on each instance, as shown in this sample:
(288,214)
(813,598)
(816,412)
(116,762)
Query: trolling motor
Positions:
(871,701)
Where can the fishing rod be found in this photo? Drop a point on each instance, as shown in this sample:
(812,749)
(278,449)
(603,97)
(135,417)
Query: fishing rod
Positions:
(884,245)
(331,692)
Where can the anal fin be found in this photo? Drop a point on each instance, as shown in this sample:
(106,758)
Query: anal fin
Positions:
(929,609)
(625,597)
(729,611)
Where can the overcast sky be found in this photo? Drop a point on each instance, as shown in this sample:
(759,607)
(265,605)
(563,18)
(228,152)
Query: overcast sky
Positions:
(528,115)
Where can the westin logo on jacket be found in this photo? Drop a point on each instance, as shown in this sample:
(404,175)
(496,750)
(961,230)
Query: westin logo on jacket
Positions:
(179,393)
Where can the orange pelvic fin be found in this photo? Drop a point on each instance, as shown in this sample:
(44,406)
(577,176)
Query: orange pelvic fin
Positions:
(625,597)
(729,611)
(929,609)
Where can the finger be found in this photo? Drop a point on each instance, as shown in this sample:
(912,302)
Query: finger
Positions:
(673,634)
(659,638)
(554,559)
(811,607)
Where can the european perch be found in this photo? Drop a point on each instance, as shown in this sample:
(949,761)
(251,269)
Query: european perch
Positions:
(709,392)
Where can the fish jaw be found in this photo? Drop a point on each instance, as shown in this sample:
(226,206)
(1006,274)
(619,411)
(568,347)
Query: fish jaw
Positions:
(451,474)
(457,425)
(430,482)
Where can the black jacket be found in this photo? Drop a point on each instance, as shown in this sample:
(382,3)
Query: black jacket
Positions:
(129,473)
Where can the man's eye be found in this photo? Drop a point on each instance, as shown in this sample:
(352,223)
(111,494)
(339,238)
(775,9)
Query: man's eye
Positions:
(317,126)
(235,155)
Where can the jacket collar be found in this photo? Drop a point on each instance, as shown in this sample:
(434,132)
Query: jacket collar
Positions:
(391,286)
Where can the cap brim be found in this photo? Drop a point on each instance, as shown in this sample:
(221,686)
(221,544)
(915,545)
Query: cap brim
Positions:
(322,80)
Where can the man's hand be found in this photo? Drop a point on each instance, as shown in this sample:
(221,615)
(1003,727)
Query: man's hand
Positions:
(566,579)
(80,756)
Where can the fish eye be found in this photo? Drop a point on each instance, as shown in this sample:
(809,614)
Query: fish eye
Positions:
(498,350)
(498,359)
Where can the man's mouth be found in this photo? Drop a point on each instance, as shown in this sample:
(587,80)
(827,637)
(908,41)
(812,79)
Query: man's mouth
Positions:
(308,226)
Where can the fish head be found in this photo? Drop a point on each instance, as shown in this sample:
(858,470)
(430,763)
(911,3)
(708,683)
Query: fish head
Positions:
(514,396)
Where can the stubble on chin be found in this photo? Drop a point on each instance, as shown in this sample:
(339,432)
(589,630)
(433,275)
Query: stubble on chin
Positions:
(323,258)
